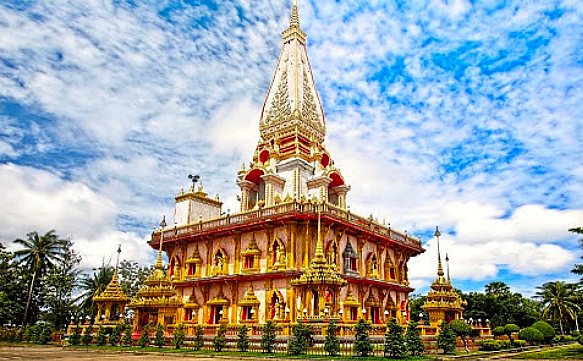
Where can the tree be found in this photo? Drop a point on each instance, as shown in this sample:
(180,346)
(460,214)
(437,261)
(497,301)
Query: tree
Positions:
(92,286)
(331,343)
(38,255)
(416,303)
(446,338)
(159,336)
(463,330)
(220,339)
(144,339)
(413,340)
(198,342)
(178,339)
(60,283)
(498,331)
(115,335)
(14,281)
(298,343)
(509,329)
(101,337)
(87,337)
(132,276)
(558,302)
(362,345)
(578,269)
(501,306)
(394,340)
(126,339)
(531,335)
(243,338)
(268,338)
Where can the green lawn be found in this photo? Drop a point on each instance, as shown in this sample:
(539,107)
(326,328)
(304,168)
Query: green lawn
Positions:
(572,352)
(242,354)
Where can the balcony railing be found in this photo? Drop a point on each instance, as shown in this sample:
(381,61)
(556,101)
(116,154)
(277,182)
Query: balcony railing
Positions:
(326,209)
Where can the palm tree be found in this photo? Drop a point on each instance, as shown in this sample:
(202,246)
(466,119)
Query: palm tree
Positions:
(39,254)
(93,286)
(559,301)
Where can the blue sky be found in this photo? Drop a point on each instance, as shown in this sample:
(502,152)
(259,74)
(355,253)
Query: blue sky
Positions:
(463,114)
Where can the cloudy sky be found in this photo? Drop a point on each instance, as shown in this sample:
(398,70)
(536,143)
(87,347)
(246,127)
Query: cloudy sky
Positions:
(463,114)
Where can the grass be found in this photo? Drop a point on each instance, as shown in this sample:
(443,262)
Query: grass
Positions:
(241,354)
(571,352)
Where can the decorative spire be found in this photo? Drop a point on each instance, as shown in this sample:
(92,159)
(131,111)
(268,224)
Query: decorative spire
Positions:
(295,17)
(437,234)
(319,252)
(159,263)
(117,261)
(447,265)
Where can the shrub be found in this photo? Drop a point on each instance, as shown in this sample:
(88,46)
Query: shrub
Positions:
(519,343)
(569,338)
(268,338)
(547,330)
(198,342)
(575,334)
(509,329)
(461,329)
(115,335)
(159,336)
(87,337)
(101,338)
(498,331)
(144,339)
(362,345)
(178,336)
(126,339)
(243,338)
(531,335)
(505,344)
(331,344)
(580,340)
(75,337)
(298,343)
(446,338)
(490,345)
(220,340)
(394,340)
(413,340)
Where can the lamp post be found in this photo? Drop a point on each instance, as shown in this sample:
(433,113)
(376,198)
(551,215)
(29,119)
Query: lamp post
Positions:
(341,313)
(421,318)
(386,316)
(251,312)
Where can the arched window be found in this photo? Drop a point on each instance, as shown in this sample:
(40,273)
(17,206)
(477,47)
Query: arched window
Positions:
(220,262)
(372,266)
(350,259)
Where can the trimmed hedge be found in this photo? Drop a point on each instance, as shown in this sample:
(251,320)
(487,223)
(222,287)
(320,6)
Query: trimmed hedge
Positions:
(547,330)
(531,334)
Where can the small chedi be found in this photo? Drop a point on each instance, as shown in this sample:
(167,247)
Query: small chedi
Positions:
(444,303)
(294,251)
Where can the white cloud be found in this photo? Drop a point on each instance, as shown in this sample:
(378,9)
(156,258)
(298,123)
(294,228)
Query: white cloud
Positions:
(36,200)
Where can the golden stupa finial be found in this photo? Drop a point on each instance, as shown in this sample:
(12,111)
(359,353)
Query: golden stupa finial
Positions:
(319,252)
(159,263)
(117,261)
(437,234)
(295,17)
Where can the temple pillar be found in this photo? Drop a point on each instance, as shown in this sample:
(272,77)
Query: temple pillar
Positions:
(360,245)
(237,254)
(306,246)
(291,254)
(246,188)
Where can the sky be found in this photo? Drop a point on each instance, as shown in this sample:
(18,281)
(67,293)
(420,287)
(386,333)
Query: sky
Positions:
(457,113)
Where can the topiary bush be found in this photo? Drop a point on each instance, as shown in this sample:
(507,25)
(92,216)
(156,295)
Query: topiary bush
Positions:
(498,331)
(159,340)
(531,335)
(220,339)
(490,345)
(268,338)
(178,337)
(395,346)
(331,344)
(362,346)
(580,340)
(243,338)
(519,343)
(415,345)
(198,342)
(575,334)
(547,330)
(509,329)
(75,337)
(446,338)
(126,339)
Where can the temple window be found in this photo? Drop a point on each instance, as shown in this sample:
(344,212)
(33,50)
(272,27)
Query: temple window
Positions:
(353,313)
(249,305)
(194,263)
(350,259)
(251,256)
(217,313)
(192,269)
(189,314)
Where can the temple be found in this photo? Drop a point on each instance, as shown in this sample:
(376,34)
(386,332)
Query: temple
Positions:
(294,251)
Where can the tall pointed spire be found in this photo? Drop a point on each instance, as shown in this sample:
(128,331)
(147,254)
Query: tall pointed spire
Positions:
(117,261)
(295,17)
(447,265)
(159,263)
(437,234)
(319,251)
